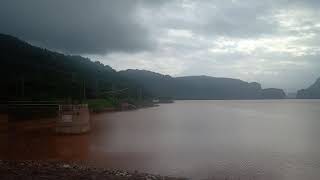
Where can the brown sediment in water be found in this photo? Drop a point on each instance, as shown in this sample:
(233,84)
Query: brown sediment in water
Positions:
(36,139)
(197,139)
(56,155)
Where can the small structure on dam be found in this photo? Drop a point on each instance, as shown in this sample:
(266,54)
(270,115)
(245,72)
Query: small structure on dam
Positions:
(73,119)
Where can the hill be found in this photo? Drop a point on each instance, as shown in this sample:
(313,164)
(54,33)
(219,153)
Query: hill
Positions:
(31,73)
(273,93)
(200,87)
(313,92)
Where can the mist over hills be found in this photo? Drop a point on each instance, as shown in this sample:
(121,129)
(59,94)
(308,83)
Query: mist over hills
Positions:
(31,72)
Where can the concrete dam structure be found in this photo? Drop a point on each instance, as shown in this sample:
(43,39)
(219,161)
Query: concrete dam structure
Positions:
(73,119)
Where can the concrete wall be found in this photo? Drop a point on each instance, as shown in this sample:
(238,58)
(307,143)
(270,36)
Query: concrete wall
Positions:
(73,120)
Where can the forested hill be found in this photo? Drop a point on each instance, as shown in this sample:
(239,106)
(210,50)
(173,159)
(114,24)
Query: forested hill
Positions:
(313,92)
(200,87)
(32,73)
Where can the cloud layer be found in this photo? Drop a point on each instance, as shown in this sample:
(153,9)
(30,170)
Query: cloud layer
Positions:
(275,42)
(76,26)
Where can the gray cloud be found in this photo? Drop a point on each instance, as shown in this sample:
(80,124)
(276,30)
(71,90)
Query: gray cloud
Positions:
(215,18)
(237,18)
(275,42)
(76,26)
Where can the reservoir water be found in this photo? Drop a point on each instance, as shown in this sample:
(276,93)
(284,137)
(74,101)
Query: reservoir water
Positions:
(254,139)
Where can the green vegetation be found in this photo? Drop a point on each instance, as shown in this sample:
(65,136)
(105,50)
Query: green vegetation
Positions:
(34,74)
(101,104)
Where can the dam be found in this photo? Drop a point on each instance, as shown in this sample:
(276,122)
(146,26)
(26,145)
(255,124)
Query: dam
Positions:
(68,118)
(73,119)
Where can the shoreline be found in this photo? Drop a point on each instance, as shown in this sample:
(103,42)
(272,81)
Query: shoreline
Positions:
(115,109)
(52,170)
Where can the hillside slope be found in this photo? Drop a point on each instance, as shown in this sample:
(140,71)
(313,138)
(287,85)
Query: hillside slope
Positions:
(29,72)
(313,92)
(32,73)
(200,87)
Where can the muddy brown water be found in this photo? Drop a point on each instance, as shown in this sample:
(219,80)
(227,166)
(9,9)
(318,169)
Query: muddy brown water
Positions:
(257,139)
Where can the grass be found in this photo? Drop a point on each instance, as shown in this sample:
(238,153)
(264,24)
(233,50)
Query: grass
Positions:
(100,104)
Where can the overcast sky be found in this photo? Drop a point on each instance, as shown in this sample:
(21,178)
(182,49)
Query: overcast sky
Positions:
(274,42)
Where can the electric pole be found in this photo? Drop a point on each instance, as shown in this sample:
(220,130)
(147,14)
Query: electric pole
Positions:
(84,89)
(22,86)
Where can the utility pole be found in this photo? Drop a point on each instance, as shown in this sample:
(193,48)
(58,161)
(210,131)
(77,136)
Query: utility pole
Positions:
(96,88)
(84,89)
(113,91)
(139,94)
(71,88)
(22,86)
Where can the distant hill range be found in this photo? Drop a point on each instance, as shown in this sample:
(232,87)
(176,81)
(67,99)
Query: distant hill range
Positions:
(30,72)
(200,87)
(313,92)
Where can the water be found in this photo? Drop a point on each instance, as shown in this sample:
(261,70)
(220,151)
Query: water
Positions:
(258,139)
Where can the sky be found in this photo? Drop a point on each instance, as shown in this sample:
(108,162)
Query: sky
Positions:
(273,42)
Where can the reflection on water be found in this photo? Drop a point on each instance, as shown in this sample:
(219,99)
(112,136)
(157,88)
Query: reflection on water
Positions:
(275,139)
